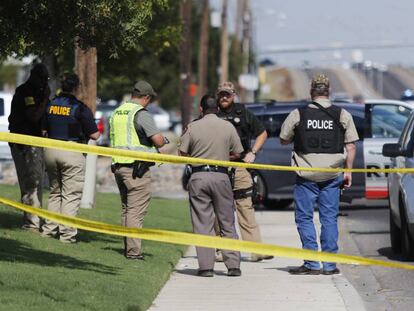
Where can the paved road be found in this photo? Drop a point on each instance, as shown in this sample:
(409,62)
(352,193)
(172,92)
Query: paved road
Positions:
(365,231)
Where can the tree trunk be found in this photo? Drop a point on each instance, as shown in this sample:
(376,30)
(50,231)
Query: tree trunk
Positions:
(203,49)
(185,63)
(85,67)
(52,65)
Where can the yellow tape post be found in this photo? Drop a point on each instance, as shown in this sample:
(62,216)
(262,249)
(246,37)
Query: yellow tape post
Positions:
(202,240)
(167,158)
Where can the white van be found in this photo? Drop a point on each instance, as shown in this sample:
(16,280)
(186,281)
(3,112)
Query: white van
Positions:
(5,104)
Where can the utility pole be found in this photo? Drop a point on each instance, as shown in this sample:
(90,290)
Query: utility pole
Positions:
(185,63)
(247,32)
(203,49)
(85,67)
(224,56)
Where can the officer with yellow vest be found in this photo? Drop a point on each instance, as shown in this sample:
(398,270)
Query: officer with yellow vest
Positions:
(132,127)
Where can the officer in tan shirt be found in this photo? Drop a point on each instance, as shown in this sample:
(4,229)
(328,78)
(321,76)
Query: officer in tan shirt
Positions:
(209,187)
(321,133)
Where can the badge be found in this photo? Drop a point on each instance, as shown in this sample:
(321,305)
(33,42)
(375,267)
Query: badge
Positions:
(236,120)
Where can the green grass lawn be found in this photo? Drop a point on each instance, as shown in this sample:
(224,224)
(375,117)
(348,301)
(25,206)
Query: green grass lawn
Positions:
(44,274)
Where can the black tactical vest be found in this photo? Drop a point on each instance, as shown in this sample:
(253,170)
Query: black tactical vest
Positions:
(61,121)
(319,131)
(237,117)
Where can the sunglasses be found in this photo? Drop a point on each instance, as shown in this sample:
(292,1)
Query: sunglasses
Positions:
(225,94)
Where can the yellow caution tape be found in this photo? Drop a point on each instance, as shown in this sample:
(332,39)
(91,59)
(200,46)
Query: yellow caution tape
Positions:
(202,240)
(167,158)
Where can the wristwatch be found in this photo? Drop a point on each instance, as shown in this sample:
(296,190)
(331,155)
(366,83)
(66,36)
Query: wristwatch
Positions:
(254,151)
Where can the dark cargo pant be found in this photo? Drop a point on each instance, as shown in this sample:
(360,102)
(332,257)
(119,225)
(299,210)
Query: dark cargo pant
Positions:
(29,165)
(211,196)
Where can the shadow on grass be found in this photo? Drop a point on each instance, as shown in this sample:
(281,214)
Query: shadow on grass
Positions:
(11,220)
(89,236)
(15,251)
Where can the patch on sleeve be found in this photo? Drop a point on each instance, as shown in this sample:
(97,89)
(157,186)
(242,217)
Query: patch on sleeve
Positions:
(29,101)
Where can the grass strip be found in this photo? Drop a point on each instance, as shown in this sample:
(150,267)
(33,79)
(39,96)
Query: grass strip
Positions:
(39,273)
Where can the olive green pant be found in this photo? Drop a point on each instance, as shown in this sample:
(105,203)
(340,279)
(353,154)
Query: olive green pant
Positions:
(29,165)
(249,229)
(135,198)
(66,171)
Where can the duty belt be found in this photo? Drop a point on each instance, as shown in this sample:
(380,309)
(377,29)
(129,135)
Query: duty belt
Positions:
(209,168)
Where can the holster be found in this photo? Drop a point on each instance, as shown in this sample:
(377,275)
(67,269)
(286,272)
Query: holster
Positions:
(243,193)
(140,168)
(232,176)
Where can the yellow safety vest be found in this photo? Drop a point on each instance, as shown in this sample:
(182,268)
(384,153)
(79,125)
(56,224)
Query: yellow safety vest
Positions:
(122,131)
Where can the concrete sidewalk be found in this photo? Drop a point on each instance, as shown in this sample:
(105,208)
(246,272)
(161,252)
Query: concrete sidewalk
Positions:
(263,286)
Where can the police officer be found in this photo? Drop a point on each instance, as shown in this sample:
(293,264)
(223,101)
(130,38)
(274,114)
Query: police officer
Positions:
(133,128)
(27,108)
(67,119)
(209,186)
(248,127)
(320,133)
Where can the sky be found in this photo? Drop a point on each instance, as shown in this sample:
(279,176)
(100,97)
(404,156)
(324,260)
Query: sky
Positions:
(280,23)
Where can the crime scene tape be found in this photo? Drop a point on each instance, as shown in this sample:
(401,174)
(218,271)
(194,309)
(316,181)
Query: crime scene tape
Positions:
(182,238)
(172,159)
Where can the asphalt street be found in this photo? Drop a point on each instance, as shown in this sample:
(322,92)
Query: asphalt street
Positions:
(365,232)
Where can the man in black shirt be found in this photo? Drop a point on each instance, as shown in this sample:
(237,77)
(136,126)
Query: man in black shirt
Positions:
(248,127)
(27,108)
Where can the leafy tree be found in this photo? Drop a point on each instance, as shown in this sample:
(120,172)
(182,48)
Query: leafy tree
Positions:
(48,26)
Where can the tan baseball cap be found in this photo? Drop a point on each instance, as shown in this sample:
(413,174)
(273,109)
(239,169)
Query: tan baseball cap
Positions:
(227,87)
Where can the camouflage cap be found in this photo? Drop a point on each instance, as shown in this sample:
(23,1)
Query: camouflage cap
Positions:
(320,81)
(227,87)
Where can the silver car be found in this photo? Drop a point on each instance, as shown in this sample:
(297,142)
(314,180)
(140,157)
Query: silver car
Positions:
(401,191)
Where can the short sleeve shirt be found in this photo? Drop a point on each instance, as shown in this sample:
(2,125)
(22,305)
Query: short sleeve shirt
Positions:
(86,119)
(25,98)
(211,138)
(145,127)
(325,160)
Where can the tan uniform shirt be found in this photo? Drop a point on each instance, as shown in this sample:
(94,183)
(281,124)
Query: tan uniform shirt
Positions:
(325,160)
(211,138)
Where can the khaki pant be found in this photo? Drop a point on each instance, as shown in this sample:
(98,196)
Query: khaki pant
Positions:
(135,198)
(211,197)
(249,228)
(29,165)
(66,171)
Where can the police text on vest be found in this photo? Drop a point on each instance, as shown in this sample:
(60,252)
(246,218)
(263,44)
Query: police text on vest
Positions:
(320,124)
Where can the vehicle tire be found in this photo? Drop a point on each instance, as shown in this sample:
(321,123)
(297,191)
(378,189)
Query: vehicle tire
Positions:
(406,241)
(395,235)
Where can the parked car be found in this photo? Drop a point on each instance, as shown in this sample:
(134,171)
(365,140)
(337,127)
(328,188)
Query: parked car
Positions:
(102,114)
(5,105)
(401,191)
(104,111)
(377,122)
(161,117)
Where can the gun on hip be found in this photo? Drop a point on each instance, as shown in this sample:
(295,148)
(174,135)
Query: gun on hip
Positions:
(140,168)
